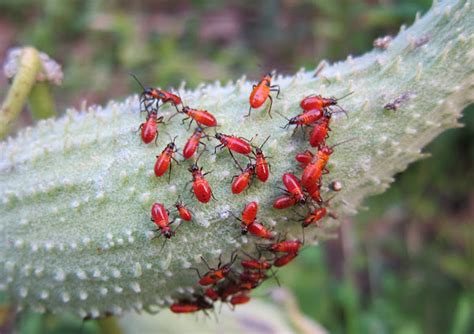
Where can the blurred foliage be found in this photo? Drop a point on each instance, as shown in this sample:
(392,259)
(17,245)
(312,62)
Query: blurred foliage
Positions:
(404,266)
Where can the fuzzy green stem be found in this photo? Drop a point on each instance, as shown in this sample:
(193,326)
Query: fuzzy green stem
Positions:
(40,101)
(24,80)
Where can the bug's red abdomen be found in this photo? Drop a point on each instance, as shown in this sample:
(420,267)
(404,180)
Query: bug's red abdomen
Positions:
(206,280)
(284,202)
(284,260)
(202,190)
(249,213)
(315,217)
(260,231)
(184,213)
(304,158)
(240,183)
(314,170)
(202,117)
(254,264)
(192,144)
(293,186)
(310,117)
(212,277)
(175,99)
(212,294)
(259,95)
(170,97)
(290,246)
(159,212)
(314,192)
(149,129)
(229,290)
(162,164)
(191,147)
(311,174)
(319,133)
(238,145)
(240,298)
(312,102)
(184,308)
(261,168)
(252,276)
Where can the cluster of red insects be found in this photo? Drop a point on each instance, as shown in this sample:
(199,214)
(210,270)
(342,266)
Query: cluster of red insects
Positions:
(223,282)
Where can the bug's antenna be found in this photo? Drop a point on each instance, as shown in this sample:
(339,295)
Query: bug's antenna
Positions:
(344,96)
(136,79)
(265,141)
(344,141)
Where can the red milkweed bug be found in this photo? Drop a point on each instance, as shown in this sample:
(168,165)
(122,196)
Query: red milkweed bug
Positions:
(191,306)
(193,143)
(236,144)
(249,213)
(256,264)
(317,102)
(261,165)
(160,216)
(314,218)
(315,169)
(285,259)
(304,158)
(183,211)
(150,97)
(320,130)
(242,181)
(200,116)
(247,286)
(150,127)
(163,161)
(260,231)
(240,298)
(307,118)
(293,186)
(287,246)
(317,166)
(211,294)
(232,287)
(261,92)
(215,275)
(249,224)
(168,97)
(252,276)
(201,188)
(284,202)
(314,191)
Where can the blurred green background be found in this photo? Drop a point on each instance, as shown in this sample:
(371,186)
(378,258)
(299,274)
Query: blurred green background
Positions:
(404,266)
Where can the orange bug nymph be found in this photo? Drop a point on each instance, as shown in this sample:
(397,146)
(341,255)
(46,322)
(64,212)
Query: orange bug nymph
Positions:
(261,92)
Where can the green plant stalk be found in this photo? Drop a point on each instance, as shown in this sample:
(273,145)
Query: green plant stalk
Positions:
(24,80)
(76,192)
(40,101)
